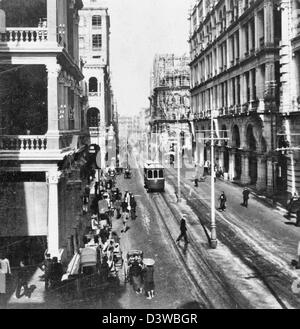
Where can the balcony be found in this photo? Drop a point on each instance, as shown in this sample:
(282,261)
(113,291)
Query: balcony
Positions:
(23,143)
(29,35)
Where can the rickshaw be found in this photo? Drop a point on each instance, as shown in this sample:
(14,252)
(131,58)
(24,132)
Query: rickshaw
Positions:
(90,261)
(132,256)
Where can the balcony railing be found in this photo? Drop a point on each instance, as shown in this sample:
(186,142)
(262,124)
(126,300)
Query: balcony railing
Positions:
(26,35)
(23,143)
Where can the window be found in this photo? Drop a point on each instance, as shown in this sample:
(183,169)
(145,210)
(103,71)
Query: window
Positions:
(96,21)
(150,174)
(97,41)
(93,85)
(161,173)
(155,173)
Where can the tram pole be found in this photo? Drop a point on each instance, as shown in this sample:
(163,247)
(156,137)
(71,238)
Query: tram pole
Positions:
(213,207)
(178,167)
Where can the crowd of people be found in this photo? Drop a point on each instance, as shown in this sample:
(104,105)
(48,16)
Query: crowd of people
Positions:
(107,204)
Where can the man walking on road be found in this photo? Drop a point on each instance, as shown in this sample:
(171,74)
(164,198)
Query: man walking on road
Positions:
(183,230)
(222,200)
(246,193)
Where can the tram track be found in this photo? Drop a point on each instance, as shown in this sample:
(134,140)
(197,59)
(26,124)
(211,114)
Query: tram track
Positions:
(275,280)
(215,290)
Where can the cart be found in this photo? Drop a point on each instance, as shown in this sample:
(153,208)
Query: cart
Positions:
(132,256)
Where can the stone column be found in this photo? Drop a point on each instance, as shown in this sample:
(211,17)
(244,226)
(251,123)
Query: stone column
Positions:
(245,178)
(256,27)
(261,182)
(67,106)
(52,21)
(232,164)
(270,177)
(53,219)
(269,22)
(260,88)
(53,115)
(221,157)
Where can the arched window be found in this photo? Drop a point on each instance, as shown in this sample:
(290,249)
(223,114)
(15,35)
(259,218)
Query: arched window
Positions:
(96,21)
(93,85)
(93,117)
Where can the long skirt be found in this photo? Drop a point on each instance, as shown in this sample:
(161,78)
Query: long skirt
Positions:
(137,282)
(2,283)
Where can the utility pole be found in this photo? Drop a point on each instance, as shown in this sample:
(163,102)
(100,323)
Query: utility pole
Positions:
(213,240)
(178,166)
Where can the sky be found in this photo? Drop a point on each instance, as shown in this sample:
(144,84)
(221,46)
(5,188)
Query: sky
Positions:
(139,30)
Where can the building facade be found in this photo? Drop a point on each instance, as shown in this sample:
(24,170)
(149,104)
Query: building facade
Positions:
(42,138)
(236,77)
(94,41)
(169,104)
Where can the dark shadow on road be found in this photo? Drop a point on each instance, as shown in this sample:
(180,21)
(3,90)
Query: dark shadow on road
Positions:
(193,305)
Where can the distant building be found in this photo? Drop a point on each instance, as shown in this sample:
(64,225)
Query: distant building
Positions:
(170,103)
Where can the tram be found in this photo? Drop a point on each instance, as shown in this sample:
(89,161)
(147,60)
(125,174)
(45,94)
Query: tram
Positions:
(154,177)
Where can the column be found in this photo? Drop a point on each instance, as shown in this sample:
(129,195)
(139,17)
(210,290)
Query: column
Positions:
(52,20)
(53,115)
(66,90)
(250,37)
(257,33)
(261,182)
(242,88)
(269,22)
(232,153)
(61,103)
(251,89)
(53,219)
(260,88)
(270,177)
(221,157)
(245,178)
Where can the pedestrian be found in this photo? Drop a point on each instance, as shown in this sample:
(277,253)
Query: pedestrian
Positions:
(246,193)
(222,200)
(298,217)
(118,207)
(96,186)
(56,273)
(95,224)
(290,205)
(125,218)
(205,168)
(135,273)
(22,280)
(132,206)
(85,203)
(5,271)
(183,230)
(46,267)
(148,277)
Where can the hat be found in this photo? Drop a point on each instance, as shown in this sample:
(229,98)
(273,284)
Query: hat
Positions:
(148,261)
(184,216)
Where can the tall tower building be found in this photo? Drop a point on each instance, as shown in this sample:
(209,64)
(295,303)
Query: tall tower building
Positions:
(94,37)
